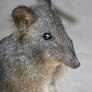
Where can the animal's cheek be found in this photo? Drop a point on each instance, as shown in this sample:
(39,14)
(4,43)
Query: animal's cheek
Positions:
(48,53)
(49,58)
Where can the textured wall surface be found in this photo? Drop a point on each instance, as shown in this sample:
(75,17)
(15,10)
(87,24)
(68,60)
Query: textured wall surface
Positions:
(76,80)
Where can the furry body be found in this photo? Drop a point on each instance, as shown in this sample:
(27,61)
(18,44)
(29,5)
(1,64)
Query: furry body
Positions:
(30,62)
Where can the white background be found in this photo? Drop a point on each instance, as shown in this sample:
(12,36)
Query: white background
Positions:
(79,80)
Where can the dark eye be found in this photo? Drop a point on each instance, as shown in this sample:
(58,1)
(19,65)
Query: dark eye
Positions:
(47,36)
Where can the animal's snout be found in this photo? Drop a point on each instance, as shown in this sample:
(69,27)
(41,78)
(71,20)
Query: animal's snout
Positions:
(75,63)
(72,62)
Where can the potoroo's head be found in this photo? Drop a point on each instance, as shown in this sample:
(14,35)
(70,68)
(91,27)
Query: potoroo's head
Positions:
(46,33)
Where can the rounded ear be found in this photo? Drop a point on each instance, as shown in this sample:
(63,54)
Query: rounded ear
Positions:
(23,17)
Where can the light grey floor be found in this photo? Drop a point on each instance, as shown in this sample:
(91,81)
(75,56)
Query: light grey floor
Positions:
(79,80)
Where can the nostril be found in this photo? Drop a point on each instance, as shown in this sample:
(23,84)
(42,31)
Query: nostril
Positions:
(76,65)
(76,62)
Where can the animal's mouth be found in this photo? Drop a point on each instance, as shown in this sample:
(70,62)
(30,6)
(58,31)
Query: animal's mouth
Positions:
(73,63)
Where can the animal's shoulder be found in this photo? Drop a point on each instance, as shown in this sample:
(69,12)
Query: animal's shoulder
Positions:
(7,45)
